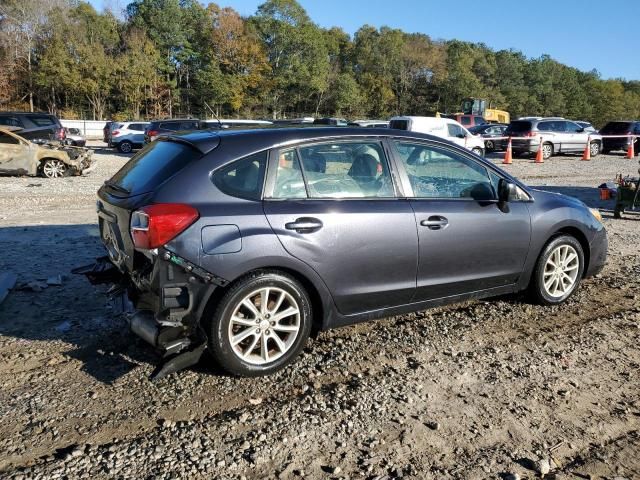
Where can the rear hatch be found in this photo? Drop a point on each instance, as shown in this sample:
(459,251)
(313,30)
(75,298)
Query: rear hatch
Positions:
(518,128)
(134,186)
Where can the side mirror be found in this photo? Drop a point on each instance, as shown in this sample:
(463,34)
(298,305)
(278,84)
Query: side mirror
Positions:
(580,130)
(461,135)
(506,191)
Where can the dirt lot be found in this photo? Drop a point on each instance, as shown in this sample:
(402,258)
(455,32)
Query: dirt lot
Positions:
(490,389)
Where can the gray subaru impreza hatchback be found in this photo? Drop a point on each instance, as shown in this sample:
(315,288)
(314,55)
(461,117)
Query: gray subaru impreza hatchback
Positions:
(245,242)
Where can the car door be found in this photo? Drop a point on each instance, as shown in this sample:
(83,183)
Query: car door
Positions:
(467,243)
(334,206)
(15,155)
(576,136)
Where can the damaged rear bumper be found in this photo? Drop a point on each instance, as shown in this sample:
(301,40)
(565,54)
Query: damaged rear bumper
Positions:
(163,304)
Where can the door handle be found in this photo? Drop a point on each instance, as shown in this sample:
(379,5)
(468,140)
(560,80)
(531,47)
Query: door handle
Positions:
(435,222)
(304,225)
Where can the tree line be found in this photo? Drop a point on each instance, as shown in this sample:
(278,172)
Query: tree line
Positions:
(179,58)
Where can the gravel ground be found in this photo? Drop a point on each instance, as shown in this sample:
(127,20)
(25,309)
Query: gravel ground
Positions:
(487,389)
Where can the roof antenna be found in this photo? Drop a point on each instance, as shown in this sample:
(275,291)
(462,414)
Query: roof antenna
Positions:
(214,114)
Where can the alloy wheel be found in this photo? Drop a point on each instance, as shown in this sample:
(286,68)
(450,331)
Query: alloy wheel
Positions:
(561,271)
(264,325)
(54,168)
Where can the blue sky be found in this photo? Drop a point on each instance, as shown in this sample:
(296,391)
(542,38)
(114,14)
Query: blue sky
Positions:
(584,34)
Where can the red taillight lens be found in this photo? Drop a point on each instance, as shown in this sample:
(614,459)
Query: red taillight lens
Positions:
(61,134)
(155,225)
(530,134)
(152,133)
(115,133)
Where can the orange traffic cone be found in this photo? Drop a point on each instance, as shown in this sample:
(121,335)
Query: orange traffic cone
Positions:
(508,156)
(539,156)
(630,152)
(587,150)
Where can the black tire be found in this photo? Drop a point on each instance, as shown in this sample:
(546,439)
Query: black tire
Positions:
(547,151)
(537,289)
(125,146)
(219,325)
(489,146)
(594,149)
(617,212)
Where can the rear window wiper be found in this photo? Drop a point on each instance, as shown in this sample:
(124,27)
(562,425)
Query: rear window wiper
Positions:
(116,187)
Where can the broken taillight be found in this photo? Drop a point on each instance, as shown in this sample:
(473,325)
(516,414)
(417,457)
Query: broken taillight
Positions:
(155,225)
(152,134)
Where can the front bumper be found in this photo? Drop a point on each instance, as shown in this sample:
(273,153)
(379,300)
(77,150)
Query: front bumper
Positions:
(599,247)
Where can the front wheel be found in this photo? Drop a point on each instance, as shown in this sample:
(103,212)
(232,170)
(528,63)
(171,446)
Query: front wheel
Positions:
(477,151)
(489,146)
(558,271)
(261,324)
(53,168)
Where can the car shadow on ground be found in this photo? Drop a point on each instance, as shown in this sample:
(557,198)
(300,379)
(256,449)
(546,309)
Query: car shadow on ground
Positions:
(72,320)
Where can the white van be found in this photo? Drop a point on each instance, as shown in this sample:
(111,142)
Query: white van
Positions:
(441,127)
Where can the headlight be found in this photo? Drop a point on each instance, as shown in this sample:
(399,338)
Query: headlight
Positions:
(596,213)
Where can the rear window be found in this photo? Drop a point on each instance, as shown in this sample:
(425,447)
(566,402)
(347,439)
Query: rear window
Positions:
(42,120)
(399,124)
(519,126)
(616,128)
(153,165)
(243,178)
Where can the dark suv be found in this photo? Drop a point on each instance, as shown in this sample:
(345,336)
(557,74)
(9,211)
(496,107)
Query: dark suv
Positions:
(244,242)
(162,128)
(625,127)
(558,136)
(35,126)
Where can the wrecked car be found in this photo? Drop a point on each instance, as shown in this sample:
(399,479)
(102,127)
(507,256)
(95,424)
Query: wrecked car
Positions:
(246,242)
(50,159)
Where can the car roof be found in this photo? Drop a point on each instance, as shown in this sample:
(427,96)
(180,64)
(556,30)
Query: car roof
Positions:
(261,139)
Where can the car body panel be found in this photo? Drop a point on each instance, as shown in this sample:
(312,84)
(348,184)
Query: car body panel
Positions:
(370,258)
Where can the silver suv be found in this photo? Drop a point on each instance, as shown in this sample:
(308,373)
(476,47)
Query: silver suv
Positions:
(558,135)
(125,136)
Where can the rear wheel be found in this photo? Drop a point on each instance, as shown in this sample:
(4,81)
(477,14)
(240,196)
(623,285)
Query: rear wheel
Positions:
(53,168)
(547,151)
(594,149)
(558,271)
(477,151)
(261,324)
(125,146)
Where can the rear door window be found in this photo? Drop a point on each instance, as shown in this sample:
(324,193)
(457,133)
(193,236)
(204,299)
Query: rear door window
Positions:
(243,178)
(153,165)
(616,128)
(334,170)
(399,124)
(42,120)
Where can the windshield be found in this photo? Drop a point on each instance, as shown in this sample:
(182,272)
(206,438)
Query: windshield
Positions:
(153,165)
